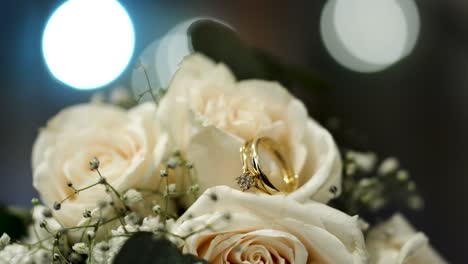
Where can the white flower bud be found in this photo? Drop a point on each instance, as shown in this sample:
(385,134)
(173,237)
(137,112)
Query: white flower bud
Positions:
(90,234)
(194,188)
(80,248)
(4,240)
(365,161)
(132,219)
(350,168)
(151,224)
(157,209)
(35,201)
(389,165)
(132,196)
(121,231)
(415,202)
(171,188)
(402,175)
(94,164)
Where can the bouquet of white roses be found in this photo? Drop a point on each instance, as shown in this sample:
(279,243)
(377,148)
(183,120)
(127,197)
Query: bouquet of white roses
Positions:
(216,170)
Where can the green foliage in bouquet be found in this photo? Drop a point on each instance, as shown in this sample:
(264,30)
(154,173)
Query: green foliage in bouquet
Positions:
(222,44)
(14,221)
(367,189)
(145,248)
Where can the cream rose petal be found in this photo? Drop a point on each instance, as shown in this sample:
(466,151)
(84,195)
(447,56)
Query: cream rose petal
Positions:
(323,165)
(129,144)
(396,241)
(327,234)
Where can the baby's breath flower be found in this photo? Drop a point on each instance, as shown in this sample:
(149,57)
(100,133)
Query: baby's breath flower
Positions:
(157,209)
(151,224)
(411,186)
(402,175)
(415,202)
(366,182)
(4,240)
(163,173)
(94,164)
(389,165)
(121,231)
(87,214)
(14,253)
(364,160)
(132,219)
(132,197)
(194,188)
(173,163)
(90,234)
(171,188)
(377,203)
(35,201)
(57,206)
(105,252)
(80,248)
(41,256)
(100,253)
(350,168)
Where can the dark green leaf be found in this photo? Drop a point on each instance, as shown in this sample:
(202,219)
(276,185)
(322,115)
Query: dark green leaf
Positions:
(145,248)
(222,44)
(14,221)
(289,74)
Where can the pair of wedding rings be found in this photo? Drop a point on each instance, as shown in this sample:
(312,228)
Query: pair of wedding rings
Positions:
(254,176)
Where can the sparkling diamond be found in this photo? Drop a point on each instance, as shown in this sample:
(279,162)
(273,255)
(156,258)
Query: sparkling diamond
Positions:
(245,181)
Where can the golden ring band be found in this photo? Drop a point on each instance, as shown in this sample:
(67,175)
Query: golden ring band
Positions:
(254,176)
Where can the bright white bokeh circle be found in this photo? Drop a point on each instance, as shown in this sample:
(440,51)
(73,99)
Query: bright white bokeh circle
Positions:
(88,43)
(369,35)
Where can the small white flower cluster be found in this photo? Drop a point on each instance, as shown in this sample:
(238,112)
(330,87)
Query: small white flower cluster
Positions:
(105,251)
(4,241)
(45,244)
(132,197)
(39,231)
(20,254)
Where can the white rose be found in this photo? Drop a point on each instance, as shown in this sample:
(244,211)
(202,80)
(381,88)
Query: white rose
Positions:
(396,242)
(239,227)
(210,115)
(128,144)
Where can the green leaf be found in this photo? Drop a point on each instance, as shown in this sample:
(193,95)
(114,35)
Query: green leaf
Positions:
(289,74)
(222,44)
(14,221)
(146,248)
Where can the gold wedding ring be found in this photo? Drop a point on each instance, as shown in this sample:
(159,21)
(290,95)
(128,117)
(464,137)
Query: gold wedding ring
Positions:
(254,176)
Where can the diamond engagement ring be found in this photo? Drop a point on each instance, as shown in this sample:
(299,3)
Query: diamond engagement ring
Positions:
(254,176)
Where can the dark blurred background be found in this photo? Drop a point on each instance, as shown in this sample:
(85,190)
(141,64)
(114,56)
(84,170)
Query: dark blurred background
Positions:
(415,110)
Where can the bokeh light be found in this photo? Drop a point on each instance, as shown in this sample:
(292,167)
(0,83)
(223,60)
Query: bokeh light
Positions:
(369,35)
(87,43)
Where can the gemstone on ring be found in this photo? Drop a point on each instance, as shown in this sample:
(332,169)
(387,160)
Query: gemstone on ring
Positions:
(245,181)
